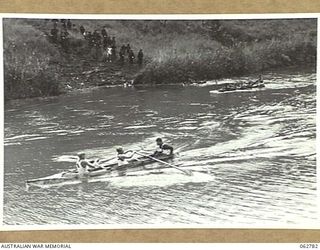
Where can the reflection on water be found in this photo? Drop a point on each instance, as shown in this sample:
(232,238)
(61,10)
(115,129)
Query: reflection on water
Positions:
(259,147)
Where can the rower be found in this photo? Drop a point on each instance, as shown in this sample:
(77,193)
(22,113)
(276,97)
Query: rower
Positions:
(123,157)
(260,80)
(257,82)
(83,165)
(162,147)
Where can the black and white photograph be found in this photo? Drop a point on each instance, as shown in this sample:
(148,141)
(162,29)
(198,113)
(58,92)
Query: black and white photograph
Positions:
(159,121)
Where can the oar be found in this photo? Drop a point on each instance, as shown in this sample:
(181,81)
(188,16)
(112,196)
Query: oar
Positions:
(106,160)
(187,172)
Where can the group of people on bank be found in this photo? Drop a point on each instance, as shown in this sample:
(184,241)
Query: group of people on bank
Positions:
(123,157)
(99,41)
(59,35)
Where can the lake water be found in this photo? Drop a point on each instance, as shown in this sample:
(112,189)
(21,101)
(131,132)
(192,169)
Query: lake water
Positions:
(259,148)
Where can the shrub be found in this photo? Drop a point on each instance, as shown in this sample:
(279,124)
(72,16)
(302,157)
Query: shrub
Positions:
(217,61)
(29,62)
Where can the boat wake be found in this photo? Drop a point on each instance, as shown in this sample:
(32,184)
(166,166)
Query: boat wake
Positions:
(236,91)
(161,179)
(270,80)
(156,177)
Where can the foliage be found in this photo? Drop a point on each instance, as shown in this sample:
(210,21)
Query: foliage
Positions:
(29,62)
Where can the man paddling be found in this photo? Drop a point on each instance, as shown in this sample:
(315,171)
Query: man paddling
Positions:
(123,157)
(83,165)
(162,147)
(255,83)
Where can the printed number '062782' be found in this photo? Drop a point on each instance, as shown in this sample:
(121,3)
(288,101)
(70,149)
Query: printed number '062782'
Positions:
(312,246)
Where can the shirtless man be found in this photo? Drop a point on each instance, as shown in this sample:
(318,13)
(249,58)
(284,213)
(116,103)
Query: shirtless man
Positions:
(83,165)
(123,157)
(162,147)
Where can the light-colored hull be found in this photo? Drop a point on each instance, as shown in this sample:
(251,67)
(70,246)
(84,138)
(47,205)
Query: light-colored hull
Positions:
(249,89)
(104,172)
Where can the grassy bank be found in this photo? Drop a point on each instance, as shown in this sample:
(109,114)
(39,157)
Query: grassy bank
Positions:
(235,48)
(30,67)
(217,61)
(175,52)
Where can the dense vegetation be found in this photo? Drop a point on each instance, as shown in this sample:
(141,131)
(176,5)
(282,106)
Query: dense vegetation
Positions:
(233,48)
(29,68)
(175,51)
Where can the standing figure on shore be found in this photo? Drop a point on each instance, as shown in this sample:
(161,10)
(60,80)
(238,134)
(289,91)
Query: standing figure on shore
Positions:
(146,28)
(82,30)
(131,56)
(54,34)
(114,53)
(164,23)
(123,49)
(64,25)
(104,33)
(64,40)
(140,57)
(97,43)
(128,48)
(109,41)
(107,54)
(69,24)
(113,41)
(121,56)
(88,36)
(96,38)
(105,42)
(55,22)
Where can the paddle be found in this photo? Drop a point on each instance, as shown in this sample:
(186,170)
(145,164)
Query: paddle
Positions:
(187,172)
(106,160)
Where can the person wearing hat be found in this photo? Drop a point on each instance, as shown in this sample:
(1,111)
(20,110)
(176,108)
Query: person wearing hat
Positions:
(162,147)
(83,165)
(123,157)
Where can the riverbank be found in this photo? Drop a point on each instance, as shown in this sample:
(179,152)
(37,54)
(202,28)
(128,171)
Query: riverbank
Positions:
(222,62)
(175,52)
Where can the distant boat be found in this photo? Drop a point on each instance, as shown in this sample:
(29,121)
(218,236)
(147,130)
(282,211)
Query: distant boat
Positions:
(241,86)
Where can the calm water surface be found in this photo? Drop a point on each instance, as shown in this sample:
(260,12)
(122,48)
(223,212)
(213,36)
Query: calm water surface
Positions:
(259,147)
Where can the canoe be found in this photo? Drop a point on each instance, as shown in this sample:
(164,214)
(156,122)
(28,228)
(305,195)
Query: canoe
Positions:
(103,171)
(240,86)
(258,86)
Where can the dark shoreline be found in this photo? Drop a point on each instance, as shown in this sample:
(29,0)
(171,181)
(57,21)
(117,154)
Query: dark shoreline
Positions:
(288,70)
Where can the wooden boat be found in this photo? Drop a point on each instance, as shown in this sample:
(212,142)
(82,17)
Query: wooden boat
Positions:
(241,86)
(103,171)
